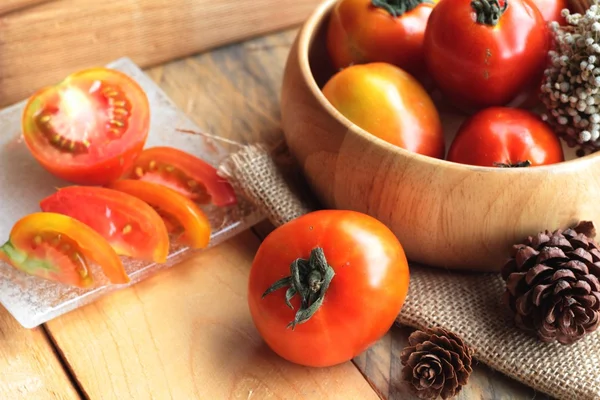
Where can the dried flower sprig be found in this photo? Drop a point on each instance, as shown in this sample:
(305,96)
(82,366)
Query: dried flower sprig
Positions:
(571,87)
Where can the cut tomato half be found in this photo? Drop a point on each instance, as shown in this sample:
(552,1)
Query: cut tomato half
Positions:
(59,248)
(184,173)
(130,225)
(89,128)
(184,219)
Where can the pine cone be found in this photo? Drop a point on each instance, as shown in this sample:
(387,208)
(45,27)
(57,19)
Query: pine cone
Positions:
(552,284)
(436,363)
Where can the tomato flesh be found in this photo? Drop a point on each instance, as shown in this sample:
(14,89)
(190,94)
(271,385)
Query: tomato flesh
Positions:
(183,173)
(59,248)
(89,128)
(388,103)
(361,303)
(183,218)
(508,137)
(130,225)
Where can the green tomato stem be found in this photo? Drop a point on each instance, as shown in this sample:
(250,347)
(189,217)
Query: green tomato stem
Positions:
(488,12)
(397,8)
(310,279)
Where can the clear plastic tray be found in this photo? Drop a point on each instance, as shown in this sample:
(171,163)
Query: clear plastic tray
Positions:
(23,183)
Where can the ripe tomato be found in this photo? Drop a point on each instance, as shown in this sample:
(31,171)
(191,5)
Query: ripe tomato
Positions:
(130,225)
(183,218)
(184,173)
(60,248)
(364,31)
(480,58)
(89,128)
(389,103)
(505,137)
(551,10)
(351,273)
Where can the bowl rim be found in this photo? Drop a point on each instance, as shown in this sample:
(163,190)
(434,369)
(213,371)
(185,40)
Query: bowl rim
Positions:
(306,38)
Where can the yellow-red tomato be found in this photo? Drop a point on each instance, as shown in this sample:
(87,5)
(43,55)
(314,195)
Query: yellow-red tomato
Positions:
(364,31)
(352,274)
(60,248)
(389,103)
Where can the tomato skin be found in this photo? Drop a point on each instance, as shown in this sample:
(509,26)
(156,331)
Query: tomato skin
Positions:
(551,10)
(364,297)
(477,65)
(506,136)
(359,33)
(389,103)
(22,250)
(176,169)
(87,105)
(130,225)
(187,214)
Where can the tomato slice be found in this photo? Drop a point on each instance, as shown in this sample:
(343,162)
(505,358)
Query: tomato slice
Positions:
(183,217)
(129,225)
(89,128)
(184,173)
(59,248)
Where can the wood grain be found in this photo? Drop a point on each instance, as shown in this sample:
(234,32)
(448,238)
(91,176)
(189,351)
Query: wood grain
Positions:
(30,367)
(12,5)
(446,215)
(187,334)
(41,45)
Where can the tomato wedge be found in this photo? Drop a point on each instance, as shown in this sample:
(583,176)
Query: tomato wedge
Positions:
(59,248)
(184,173)
(184,219)
(129,225)
(89,128)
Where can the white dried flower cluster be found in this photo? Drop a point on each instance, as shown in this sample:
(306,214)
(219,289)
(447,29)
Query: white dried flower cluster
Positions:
(571,89)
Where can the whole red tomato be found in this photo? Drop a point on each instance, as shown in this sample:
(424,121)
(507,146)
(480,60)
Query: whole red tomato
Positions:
(350,281)
(363,31)
(505,137)
(389,103)
(482,53)
(551,10)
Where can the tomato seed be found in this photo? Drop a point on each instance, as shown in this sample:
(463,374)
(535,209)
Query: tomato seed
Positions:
(139,172)
(170,168)
(152,165)
(37,240)
(120,111)
(127,229)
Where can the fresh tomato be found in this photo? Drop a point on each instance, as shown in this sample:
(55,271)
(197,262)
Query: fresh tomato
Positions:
(336,278)
(552,10)
(505,137)
(184,173)
(482,53)
(130,225)
(364,31)
(389,103)
(89,128)
(59,248)
(183,218)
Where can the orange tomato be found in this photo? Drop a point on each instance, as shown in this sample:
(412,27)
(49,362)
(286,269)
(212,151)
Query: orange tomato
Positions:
(351,274)
(389,103)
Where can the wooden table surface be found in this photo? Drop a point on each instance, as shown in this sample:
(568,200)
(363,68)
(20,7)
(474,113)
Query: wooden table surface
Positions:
(186,333)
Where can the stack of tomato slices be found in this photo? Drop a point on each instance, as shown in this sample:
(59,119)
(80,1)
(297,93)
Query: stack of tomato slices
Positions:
(125,200)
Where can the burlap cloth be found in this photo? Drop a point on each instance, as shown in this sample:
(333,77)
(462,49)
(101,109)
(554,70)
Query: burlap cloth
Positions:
(468,304)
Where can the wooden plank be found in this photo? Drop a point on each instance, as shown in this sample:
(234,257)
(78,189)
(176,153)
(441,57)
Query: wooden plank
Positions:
(30,367)
(12,5)
(187,334)
(40,45)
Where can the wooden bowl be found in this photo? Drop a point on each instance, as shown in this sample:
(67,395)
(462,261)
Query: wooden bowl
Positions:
(445,214)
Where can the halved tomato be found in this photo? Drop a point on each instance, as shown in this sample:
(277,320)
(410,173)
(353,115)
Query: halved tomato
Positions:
(130,225)
(89,128)
(184,173)
(183,218)
(59,248)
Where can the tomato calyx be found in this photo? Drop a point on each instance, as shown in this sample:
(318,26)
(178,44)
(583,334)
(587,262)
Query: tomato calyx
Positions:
(519,164)
(488,12)
(310,279)
(397,8)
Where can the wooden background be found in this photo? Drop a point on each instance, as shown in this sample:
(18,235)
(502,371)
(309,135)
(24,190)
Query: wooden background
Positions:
(185,333)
